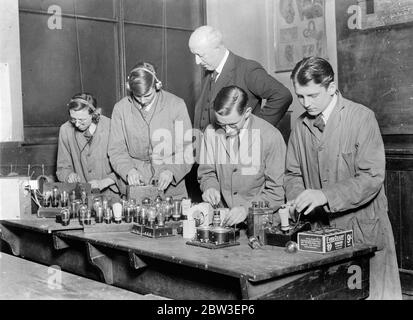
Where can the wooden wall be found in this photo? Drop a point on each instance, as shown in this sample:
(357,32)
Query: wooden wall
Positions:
(399,191)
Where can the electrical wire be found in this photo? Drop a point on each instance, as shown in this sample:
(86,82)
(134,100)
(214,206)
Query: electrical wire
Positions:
(78,45)
(149,135)
(34,198)
(164,45)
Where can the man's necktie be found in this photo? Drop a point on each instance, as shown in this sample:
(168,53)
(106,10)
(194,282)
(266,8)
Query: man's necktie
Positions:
(233,142)
(214,76)
(319,123)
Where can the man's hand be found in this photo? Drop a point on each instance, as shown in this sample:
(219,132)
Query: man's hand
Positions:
(235,215)
(165,178)
(101,184)
(309,199)
(212,195)
(94,184)
(134,177)
(73,178)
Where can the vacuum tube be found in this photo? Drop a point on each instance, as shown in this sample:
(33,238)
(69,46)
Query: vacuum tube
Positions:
(55,197)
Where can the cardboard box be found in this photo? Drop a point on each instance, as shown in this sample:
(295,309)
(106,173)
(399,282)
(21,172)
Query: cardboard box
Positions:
(325,240)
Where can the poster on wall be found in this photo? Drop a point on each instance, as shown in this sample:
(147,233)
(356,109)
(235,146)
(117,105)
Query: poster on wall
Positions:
(299,29)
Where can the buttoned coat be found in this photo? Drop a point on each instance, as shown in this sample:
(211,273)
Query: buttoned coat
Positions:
(254,174)
(257,83)
(88,159)
(163,142)
(347,162)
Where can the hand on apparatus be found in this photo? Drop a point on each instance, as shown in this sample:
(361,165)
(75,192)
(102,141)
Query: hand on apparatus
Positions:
(134,177)
(212,195)
(101,184)
(309,199)
(235,215)
(73,178)
(165,178)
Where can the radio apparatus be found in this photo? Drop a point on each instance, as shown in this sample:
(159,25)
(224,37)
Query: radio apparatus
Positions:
(263,230)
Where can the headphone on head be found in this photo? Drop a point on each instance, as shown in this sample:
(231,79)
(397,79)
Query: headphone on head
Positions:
(95,112)
(158,83)
(81,100)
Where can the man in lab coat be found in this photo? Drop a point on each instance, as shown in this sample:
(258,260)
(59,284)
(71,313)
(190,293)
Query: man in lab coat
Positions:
(242,157)
(335,169)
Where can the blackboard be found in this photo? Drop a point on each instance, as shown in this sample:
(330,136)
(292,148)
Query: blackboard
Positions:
(375,67)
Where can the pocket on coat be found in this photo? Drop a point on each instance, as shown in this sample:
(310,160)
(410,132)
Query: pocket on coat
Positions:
(349,160)
(368,231)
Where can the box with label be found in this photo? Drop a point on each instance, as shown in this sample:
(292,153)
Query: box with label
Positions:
(325,240)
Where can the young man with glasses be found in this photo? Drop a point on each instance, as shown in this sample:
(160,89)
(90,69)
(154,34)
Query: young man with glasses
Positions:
(83,143)
(242,158)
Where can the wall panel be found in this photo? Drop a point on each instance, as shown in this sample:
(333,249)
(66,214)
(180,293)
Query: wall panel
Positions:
(399,191)
(94,8)
(50,66)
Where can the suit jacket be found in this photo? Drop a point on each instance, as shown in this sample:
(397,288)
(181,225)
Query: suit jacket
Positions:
(256,175)
(347,162)
(158,145)
(259,85)
(88,159)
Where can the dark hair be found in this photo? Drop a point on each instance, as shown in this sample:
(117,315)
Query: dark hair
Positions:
(141,81)
(314,69)
(85,100)
(228,98)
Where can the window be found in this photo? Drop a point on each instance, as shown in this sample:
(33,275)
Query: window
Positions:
(99,41)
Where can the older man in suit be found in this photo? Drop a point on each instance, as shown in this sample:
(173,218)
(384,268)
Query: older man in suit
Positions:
(224,68)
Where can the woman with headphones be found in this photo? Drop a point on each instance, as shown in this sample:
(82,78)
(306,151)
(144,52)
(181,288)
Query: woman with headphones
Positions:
(143,146)
(83,143)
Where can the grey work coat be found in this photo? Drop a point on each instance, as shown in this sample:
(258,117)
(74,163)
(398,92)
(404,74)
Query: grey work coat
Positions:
(164,141)
(89,160)
(347,162)
(256,174)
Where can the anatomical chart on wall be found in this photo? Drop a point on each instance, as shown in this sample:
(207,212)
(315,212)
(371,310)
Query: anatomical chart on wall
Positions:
(299,27)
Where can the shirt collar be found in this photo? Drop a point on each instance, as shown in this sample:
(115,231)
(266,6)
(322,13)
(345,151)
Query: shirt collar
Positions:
(221,64)
(146,108)
(327,111)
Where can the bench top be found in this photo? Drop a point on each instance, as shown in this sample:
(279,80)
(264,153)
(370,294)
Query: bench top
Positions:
(236,261)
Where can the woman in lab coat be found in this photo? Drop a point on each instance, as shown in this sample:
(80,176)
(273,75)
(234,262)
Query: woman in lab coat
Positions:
(83,144)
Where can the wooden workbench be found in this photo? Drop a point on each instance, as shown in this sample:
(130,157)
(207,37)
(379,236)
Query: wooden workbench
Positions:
(169,267)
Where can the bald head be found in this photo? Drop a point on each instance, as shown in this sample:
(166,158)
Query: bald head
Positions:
(207,46)
(206,35)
